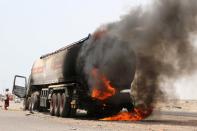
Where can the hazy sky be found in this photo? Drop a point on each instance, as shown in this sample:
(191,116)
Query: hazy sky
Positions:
(31,28)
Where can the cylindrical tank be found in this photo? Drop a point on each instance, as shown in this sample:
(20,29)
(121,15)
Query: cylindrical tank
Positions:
(57,67)
(112,57)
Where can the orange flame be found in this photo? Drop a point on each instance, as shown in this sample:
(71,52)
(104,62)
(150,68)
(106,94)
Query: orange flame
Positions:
(137,115)
(105,92)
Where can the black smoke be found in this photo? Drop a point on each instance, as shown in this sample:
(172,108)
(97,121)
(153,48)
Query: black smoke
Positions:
(111,57)
(159,36)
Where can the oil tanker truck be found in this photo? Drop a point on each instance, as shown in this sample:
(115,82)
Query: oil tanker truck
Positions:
(55,85)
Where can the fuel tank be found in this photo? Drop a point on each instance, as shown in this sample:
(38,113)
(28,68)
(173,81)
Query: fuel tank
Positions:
(57,67)
(68,64)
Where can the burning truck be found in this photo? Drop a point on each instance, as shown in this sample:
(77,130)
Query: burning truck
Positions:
(154,44)
(81,76)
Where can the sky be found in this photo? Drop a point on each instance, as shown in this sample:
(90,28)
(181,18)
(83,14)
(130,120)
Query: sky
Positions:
(31,28)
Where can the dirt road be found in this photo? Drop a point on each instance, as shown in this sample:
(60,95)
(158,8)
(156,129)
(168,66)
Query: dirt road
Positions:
(17,120)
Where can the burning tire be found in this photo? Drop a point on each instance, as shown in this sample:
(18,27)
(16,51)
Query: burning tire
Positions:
(130,106)
(111,111)
(100,111)
(64,106)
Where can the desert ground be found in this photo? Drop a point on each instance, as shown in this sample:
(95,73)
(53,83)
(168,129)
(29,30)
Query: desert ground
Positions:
(170,116)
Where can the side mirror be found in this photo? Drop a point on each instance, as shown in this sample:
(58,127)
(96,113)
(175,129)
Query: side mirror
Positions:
(19,86)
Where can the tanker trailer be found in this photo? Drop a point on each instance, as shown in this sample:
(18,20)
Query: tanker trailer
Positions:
(56,85)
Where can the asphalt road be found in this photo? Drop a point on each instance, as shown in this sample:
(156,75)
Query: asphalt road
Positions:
(24,121)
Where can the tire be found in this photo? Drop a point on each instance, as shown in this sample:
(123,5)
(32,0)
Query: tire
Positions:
(64,106)
(29,103)
(34,102)
(57,105)
(73,112)
(26,104)
(99,112)
(130,107)
(114,110)
(91,112)
(95,111)
(52,104)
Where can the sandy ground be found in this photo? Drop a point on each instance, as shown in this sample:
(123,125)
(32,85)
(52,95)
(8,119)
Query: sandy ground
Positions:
(174,116)
(179,106)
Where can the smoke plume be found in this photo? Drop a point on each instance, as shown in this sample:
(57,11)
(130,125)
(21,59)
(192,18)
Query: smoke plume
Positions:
(155,42)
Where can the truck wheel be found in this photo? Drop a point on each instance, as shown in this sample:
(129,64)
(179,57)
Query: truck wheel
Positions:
(36,102)
(57,105)
(29,103)
(91,112)
(52,104)
(26,103)
(95,111)
(130,107)
(113,111)
(99,112)
(33,103)
(64,106)
(73,112)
